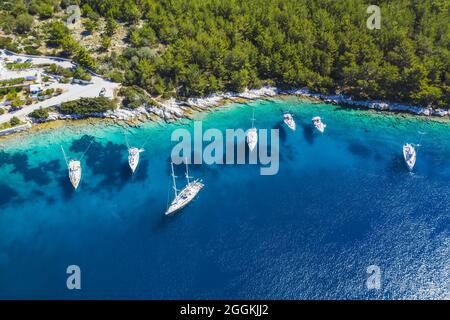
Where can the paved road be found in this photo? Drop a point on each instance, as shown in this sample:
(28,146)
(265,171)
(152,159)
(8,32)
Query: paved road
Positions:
(71,91)
(10,74)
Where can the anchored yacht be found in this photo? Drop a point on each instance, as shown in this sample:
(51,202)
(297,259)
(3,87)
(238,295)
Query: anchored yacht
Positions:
(74,167)
(252,136)
(186,195)
(409,154)
(318,124)
(289,120)
(74,172)
(133,157)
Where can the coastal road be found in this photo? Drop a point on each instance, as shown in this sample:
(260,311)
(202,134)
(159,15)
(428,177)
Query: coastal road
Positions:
(70,91)
(5,73)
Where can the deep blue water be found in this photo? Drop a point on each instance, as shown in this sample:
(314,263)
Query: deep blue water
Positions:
(341,201)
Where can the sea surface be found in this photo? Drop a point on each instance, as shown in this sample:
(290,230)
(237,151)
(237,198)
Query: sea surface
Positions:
(342,201)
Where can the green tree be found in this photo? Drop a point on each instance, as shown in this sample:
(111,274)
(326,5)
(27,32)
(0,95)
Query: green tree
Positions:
(11,95)
(57,33)
(24,23)
(7,23)
(69,45)
(45,10)
(130,11)
(84,58)
(86,10)
(239,80)
(89,25)
(105,42)
(41,113)
(111,26)
(17,103)
(18,7)
(14,121)
(87,106)
(80,73)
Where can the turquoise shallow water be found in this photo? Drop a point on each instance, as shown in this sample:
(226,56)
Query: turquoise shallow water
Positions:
(341,201)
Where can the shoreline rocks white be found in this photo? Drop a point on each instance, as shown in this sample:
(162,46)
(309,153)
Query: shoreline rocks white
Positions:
(15,129)
(173,109)
(214,100)
(371,104)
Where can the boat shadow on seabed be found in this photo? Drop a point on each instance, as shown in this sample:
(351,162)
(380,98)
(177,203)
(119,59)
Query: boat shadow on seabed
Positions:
(308,133)
(396,167)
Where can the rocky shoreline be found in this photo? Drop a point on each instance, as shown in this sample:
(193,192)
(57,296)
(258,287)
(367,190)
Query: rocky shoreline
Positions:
(375,105)
(171,110)
(174,109)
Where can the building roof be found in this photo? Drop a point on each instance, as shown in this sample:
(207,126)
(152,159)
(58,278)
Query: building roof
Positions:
(35,87)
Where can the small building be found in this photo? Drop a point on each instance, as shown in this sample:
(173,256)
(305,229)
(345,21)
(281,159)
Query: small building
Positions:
(35,88)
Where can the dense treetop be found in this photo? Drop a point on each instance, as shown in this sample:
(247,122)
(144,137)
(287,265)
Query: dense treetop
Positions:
(196,47)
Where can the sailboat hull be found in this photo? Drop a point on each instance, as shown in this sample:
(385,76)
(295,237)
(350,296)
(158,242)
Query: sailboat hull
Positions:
(320,127)
(184,197)
(318,124)
(252,138)
(409,155)
(133,158)
(289,121)
(75,173)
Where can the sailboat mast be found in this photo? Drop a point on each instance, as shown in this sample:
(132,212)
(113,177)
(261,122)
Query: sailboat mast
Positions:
(126,140)
(65,157)
(187,171)
(253,119)
(174,181)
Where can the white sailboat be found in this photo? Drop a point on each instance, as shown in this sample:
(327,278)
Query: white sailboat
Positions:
(318,124)
(409,154)
(133,157)
(289,120)
(74,167)
(186,195)
(74,173)
(252,135)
